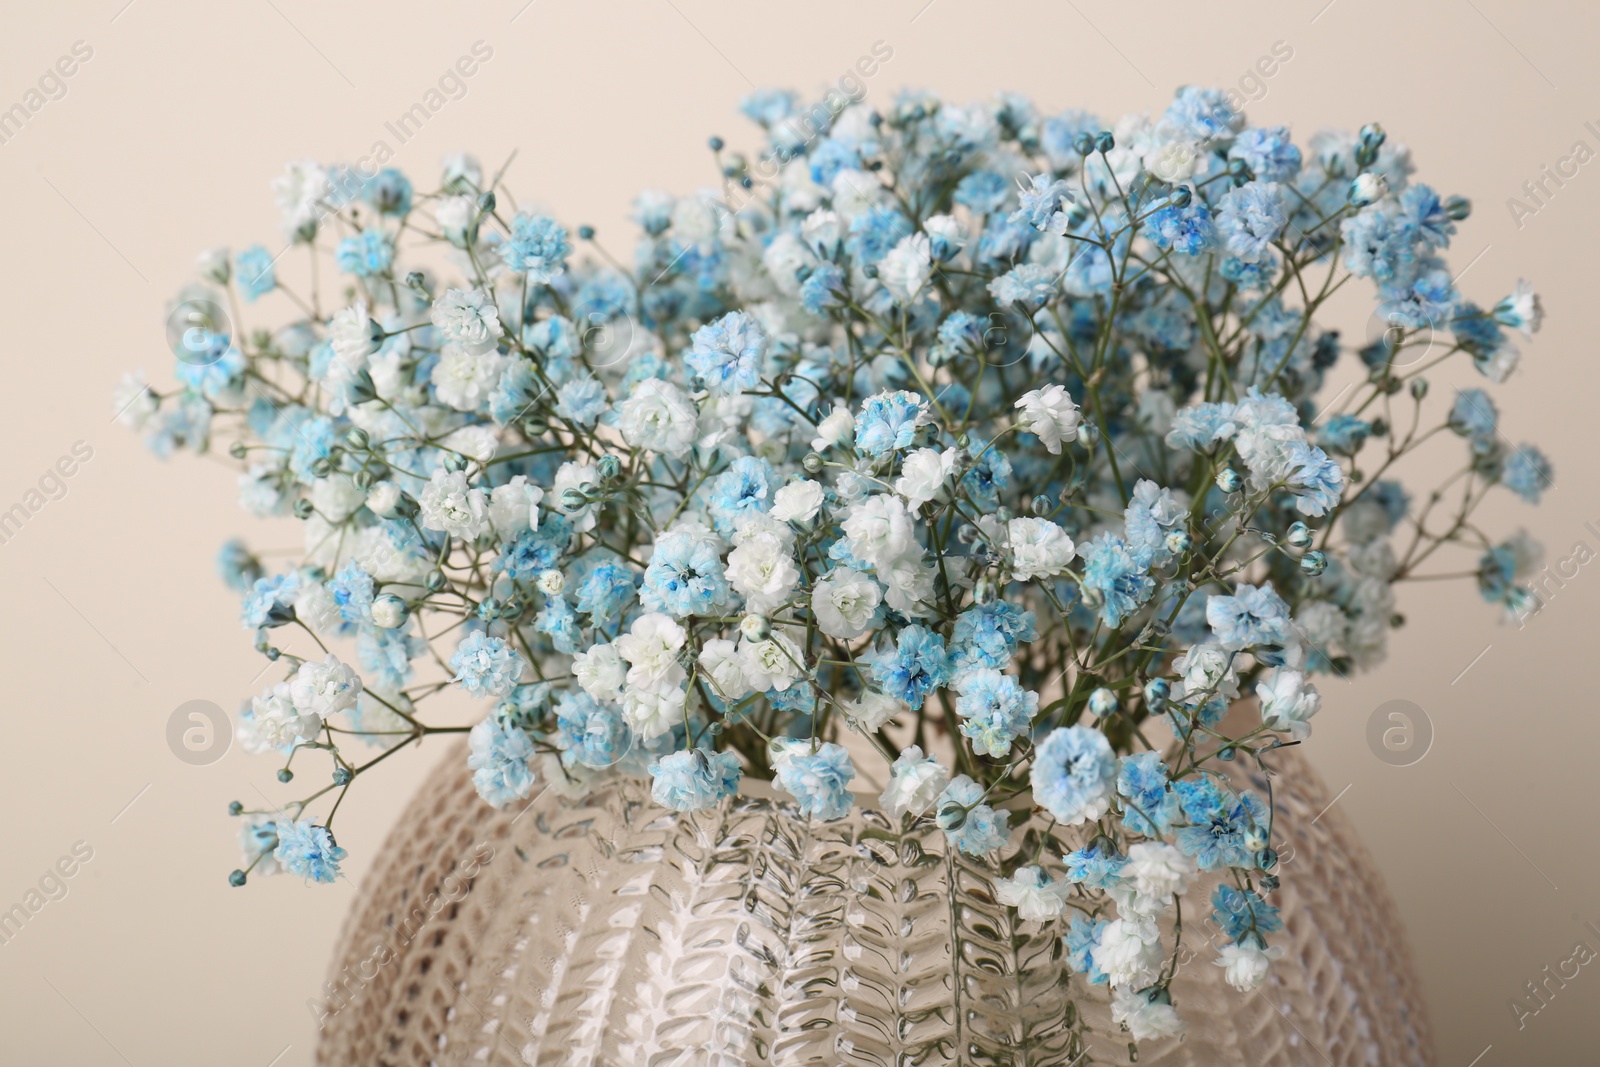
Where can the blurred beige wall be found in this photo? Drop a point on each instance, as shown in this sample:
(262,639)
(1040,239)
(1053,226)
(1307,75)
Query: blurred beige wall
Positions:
(163,144)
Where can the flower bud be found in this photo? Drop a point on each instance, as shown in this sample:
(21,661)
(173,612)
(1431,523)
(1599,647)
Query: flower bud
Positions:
(1228,480)
(755,627)
(390,611)
(1103,702)
(551,582)
(1299,536)
(1313,563)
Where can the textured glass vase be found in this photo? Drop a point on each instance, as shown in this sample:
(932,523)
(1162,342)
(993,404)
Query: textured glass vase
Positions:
(600,929)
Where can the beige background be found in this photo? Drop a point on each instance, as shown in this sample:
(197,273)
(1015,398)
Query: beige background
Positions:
(164,144)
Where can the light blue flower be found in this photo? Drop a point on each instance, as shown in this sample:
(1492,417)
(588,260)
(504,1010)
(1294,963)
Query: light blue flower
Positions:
(968,823)
(888,422)
(982,192)
(1250,218)
(818,778)
(745,488)
(727,354)
(1268,152)
(874,232)
(498,755)
(1149,806)
(917,666)
(559,622)
(822,288)
(1031,285)
(1219,822)
(389,191)
(1097,865)
(1380,243)
(385,655)
(1200,426)
(536,550)
(538,248)
(1074,774)
(1045,204)
(995,708)
(1114,578)
(1528,473)
(606,592)
(695,779)
(253,270)
(352,589)
(1251,618)
(270,601)
(1243,913)
(1316,480)
(486,666)
(1189,229)
(365,254)
(589,732)
(307,850)
(685,576)
(237,566)
(1474,416)
(1082,938)
(1344,434)
(987,635)
(582,400)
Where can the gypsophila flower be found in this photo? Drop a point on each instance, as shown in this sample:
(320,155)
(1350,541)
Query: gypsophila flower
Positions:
(817,777)
(486,666)
(307,851)
(1035,896)
(970,824)
(693,779)
(498,756)
(1074,774)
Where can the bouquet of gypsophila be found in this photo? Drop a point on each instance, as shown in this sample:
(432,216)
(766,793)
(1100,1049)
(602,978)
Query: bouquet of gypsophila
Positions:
(990,437)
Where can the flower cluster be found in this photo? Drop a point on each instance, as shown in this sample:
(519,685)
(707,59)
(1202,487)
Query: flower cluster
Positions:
(980,440)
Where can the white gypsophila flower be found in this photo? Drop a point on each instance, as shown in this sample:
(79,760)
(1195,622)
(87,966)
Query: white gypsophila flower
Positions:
(660,417)
(475,442)
(822,231)
(763,571)
(324,688)
(855,192)
(845,603)
(1368,188)
(1288,702)
(697,219)
(653,712)
(132,401)
(1158,871)
(797,502)
(915,782)
(299,193)
(946,230)
(719,663)
(450,506)
(469,318)
(573,475)
(785,257)
(383,498)
(1175,161)
(600,671)
(836,427)
(514,507)
(772,664)
(871,711)
(454,215)
(351,333)
(213,265)
(390,612)
(316,607)
(1034,894)
(337,496)
(1039,548)
(879,531)
(551,582)
(905,271)
(275,723)
(908,583)
(1049,414)
(1245,965)
(1205,671)
(721,419)
(1146,1019)
(1129,952)
(651,647)
(465,379)
(923,475)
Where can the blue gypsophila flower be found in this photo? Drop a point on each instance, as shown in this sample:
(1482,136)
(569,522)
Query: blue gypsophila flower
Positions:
(1187,229)
(1474,416)
(1045,204)
(589,732)
(253,270)
(917,666)
(1344,434)
(745,488)
(817,776)
(1241,913)
(606,592)
(582,400)
(685,576)
(727,354)
(768,107)
(1149,805)
(1097,865)
(989,476)
(1427,215)
(498,755)
(389,191)
(486,666)
(822,288)
(560,623)
(385,655)
(365,254)
(1251,618)
(538,248)
(968,823)
(1202,425)
(1205,114)
(1074,774)
(1268,152)
(982,192)
(1219,822)
(1379,243)
(270,601)
(889,421)
(1250,218)
(1316,480)
(516,392)
(995,710)
(987,635)
(307,850)
(1114,578)
(1082,938)
(1031,285)
(237,566)
(694,779)
(536,550)
(1527,473)
(874,232)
